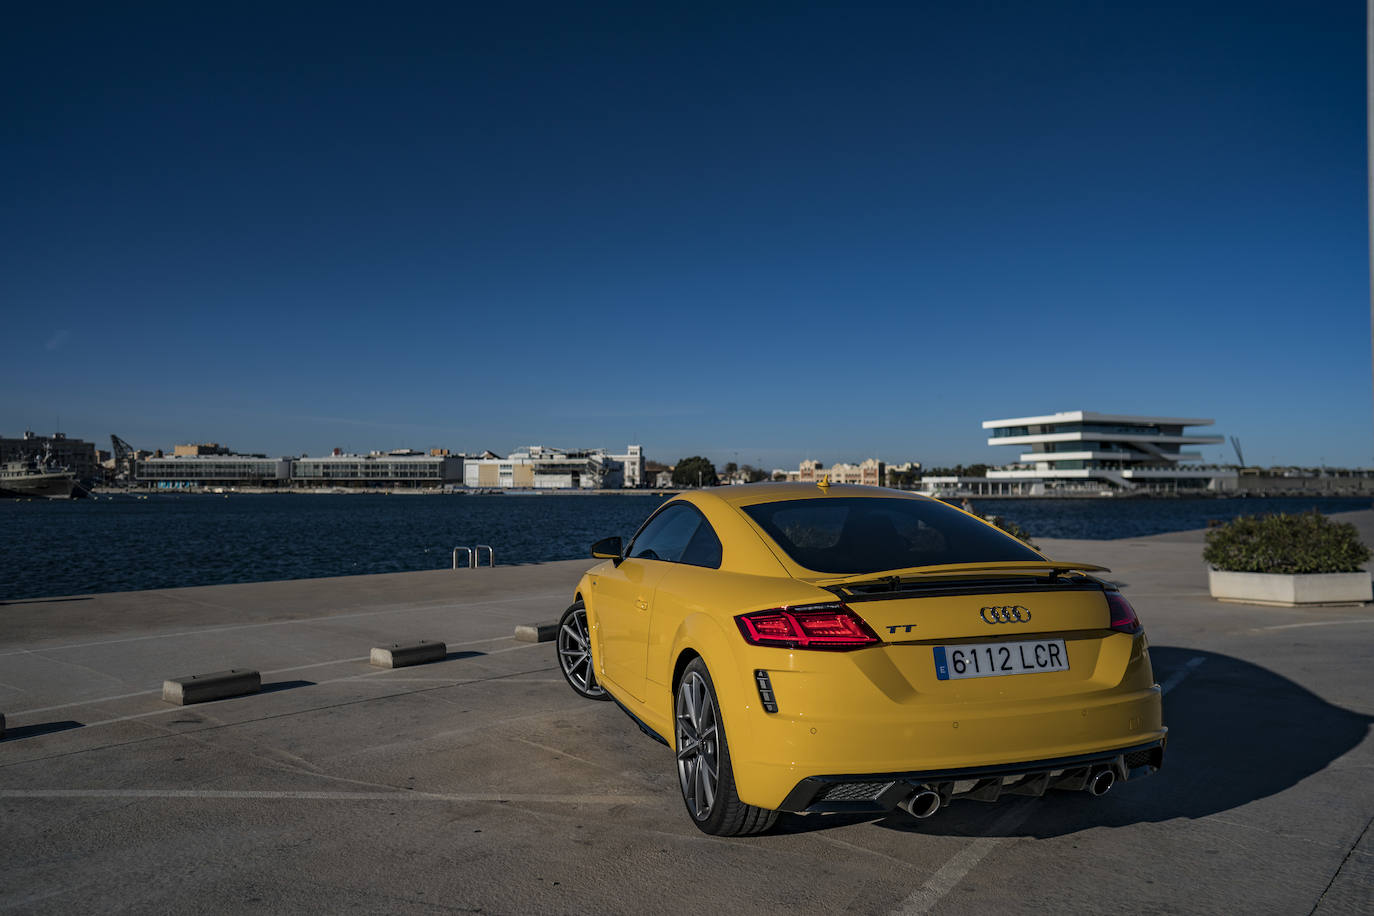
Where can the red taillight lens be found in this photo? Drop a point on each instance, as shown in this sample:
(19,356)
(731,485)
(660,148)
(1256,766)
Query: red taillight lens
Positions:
(812,626)
(1124,619)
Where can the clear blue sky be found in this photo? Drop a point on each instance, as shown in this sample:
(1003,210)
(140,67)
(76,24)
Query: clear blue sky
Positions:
(755,231)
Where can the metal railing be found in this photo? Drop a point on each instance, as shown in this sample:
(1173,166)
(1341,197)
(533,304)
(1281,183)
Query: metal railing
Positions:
(474,556)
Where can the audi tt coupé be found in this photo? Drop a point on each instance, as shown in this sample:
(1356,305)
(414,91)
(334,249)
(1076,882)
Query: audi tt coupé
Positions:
(816,649)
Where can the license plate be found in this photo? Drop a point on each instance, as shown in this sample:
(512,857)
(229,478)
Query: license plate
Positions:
(1001,658)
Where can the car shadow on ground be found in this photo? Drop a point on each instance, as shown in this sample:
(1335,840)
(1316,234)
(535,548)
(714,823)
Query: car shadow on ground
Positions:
(1237,732)
(42,728)
(276,686)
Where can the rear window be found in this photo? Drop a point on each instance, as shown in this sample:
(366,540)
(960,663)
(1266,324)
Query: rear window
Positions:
(857,535)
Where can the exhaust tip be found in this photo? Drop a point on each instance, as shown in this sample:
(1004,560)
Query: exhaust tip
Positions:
(1101,783)
(921,804)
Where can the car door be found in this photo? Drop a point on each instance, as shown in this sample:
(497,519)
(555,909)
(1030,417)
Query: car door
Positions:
(625,595)
(679,593)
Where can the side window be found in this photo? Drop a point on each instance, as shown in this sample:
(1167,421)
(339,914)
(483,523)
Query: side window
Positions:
(704,548)
(678,534)
(667,535)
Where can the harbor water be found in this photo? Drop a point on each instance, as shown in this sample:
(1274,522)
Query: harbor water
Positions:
(55,548)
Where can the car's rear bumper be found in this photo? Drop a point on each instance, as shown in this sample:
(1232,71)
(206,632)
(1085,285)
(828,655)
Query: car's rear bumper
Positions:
(884,712)
(879,792)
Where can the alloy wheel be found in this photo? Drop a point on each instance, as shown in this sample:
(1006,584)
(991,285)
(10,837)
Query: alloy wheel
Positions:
(698,745)
(575,654)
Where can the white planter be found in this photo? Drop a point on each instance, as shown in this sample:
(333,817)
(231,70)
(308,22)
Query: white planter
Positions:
(1281,590)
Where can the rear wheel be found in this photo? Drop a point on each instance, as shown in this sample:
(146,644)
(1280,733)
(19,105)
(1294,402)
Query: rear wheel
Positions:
(575,654)
(703,761)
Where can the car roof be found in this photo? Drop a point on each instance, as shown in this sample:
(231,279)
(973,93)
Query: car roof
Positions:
(751,494)
(713,501)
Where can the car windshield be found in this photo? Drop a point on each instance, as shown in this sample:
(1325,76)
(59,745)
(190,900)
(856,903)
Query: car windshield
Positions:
(857,535)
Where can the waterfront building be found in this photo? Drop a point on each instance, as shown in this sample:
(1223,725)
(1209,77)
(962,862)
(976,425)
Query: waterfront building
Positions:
(542,468)
(949,487)
(183,471)
(1095,453)
(632,466)
(494,472)
(76,455)
(902,476)
(203,448)
(403,468)
(869,473)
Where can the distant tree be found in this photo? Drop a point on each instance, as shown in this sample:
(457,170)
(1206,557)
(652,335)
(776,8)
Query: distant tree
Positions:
(731,468)
(904,480)
(693,472)
(753,474)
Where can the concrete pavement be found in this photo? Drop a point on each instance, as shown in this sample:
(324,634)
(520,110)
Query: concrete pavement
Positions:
(482,784)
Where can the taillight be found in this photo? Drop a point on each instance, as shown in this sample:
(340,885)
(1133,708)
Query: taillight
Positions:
(1124,619)
(811,626)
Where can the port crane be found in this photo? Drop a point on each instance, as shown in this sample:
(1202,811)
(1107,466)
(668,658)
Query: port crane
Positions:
(124,457)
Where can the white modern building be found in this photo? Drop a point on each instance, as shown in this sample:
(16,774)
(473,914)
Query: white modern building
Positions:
(1082,451)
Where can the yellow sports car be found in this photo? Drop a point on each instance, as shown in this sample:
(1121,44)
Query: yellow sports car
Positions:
(815,649)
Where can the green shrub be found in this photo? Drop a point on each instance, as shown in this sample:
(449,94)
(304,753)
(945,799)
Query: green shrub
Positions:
(1306,543)
(1010,528)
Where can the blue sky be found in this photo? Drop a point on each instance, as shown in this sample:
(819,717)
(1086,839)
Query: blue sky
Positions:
(759,231)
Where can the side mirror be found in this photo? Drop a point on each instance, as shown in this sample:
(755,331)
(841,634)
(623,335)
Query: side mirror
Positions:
(609,549)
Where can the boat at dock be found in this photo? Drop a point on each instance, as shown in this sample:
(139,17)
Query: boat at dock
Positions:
(35,478)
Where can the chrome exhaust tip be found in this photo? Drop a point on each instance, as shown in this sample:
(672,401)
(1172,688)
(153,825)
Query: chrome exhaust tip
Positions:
(1101,782)
(922,803)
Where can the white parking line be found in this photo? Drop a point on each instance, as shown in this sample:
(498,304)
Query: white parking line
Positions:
(337,661)
(1319,623)
(1180,674)
(322,796)
(948,876)
(395,609)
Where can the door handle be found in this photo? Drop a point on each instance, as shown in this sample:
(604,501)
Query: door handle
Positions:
(641,604)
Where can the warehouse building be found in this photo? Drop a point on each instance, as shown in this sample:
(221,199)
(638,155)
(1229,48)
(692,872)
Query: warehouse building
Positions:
(402,469)
(184,471)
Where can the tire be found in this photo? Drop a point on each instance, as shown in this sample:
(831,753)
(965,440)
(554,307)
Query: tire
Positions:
(711,799)
(573,646)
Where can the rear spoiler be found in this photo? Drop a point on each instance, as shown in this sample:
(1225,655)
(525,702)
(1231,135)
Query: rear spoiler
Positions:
(966,578)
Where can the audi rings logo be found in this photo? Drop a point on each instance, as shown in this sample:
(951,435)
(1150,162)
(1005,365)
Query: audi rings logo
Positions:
(1014,614)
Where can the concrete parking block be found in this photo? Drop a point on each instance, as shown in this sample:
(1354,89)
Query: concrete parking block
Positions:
(536,632)
(198,688)
(401,655)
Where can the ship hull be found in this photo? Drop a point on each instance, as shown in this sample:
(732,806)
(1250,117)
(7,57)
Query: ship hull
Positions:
(41,486)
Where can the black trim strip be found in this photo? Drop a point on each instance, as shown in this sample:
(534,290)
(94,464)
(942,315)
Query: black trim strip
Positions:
(640,722)
(936,588)
(803,796)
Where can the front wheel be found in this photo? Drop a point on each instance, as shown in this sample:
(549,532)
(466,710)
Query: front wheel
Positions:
(703,762)
(575,654)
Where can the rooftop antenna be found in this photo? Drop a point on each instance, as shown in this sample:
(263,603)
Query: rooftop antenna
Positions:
(1235,443)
